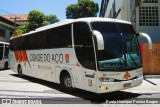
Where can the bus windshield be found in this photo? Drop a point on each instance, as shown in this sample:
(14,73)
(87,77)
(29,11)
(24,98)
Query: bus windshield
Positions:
(121,48)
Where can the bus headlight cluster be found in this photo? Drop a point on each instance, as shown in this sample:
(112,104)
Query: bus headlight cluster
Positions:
(106,79)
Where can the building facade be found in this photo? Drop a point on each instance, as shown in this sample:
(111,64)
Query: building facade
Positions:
(8,23)
(21,19)
(6,29)
(145,17)
(148,19)
(143,14)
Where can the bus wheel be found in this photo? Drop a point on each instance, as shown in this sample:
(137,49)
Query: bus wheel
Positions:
(20,71)
(66,82)
(5,66)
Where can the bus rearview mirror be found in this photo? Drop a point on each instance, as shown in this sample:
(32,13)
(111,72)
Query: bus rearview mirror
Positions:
(148,39)
(99,38)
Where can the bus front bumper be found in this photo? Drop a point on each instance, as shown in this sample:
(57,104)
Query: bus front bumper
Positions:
(105,87)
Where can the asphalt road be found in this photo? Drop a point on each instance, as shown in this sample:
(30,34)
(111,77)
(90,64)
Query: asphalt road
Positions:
(14,87)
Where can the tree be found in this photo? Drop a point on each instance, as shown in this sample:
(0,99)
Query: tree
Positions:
(72,11)
(84,8)
(36,19)
(21,29)
(52,19)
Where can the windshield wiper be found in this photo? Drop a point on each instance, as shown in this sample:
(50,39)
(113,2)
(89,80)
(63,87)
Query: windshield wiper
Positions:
(132,59)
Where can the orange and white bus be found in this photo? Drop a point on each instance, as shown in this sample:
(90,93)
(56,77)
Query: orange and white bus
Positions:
(4,52)
(95,54)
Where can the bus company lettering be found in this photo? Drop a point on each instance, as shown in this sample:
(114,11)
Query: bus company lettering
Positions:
(56,58)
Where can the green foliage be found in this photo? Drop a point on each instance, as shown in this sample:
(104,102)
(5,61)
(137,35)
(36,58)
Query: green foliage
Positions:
(21,29)
(84,8)
(35,19)
(52,18)
(72,11)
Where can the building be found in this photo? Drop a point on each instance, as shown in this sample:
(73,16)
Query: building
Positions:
(145,17)
(7,25)
(6,28)
(21,19)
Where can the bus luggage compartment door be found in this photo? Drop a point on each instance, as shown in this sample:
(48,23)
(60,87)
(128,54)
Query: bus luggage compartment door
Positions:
(90,80)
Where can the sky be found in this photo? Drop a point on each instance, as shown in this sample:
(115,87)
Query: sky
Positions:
(57,7)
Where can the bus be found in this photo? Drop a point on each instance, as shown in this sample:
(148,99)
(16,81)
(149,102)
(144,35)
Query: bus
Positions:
(4,51)
(99,55)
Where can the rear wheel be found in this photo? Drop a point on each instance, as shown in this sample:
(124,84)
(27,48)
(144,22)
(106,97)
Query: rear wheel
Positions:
(20,71)
(5,65)
(66,82)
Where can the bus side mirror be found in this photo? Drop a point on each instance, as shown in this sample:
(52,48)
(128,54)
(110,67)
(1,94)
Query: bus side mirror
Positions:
(99,38)
(147,37)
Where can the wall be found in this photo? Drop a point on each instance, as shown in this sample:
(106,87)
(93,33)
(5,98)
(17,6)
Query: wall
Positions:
(7,37)
(151,58)
(153,31)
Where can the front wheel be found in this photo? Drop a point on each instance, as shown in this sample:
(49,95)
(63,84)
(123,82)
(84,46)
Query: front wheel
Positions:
(66,82)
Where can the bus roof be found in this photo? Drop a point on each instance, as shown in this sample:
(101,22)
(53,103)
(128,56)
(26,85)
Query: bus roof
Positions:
(68,21)
(4,43)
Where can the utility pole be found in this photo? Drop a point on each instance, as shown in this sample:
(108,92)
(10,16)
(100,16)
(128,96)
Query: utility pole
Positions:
(15,19)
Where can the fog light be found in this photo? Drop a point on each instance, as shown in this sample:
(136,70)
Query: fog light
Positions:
(103,88)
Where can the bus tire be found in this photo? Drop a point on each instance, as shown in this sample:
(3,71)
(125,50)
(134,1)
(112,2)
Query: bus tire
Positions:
(20,71)
(66,82)
(5,66)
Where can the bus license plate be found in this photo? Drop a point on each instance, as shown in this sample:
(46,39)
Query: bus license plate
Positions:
(127,85)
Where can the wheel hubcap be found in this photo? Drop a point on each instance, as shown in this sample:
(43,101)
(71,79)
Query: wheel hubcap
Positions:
(68,82)
(20,70)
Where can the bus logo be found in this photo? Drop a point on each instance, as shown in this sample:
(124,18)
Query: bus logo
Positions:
(127,75)
(67,58)
(21,56)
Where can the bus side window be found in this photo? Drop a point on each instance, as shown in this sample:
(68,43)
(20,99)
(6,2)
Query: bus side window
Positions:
(84,45)
(59,37)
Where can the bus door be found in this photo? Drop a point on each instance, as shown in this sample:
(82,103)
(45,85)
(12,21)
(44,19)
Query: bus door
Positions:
(53,72)
(6,52)
(45,71)
(84,49)
(44,66)
(1,51)
(1,54)
(90,80)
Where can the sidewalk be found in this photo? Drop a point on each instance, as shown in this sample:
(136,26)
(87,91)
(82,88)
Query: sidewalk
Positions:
(150,84)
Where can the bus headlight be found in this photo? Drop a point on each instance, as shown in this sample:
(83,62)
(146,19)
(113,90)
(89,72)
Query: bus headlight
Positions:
(106,79)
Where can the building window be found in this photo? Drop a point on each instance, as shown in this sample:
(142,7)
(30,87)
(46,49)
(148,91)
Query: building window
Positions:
(150,1)
(11,33)
(148,16)
(2,32)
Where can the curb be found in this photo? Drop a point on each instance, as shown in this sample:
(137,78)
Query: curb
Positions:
(151,76)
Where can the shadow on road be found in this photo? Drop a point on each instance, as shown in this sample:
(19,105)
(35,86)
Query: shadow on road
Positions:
(4,69)
(92,97)
(101,98)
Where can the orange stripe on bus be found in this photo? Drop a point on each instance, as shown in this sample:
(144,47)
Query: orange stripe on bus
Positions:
(16,56)
(17,36)
(25,58)
(20,56)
